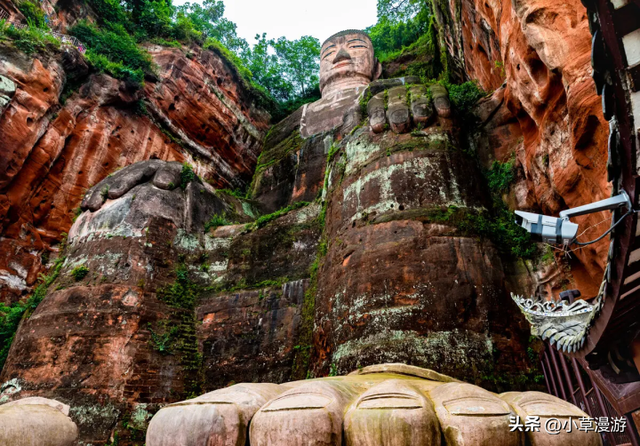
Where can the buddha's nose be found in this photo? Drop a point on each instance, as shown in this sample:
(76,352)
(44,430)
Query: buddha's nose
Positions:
(342,55)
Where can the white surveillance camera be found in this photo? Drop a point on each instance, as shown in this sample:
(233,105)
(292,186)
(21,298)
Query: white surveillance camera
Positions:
(547,229)
(561,231)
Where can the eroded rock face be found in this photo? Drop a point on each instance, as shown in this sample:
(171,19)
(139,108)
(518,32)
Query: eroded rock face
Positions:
(53,152)
(547,112)
(390,404)
(401,281)
(153,305)
(163,308)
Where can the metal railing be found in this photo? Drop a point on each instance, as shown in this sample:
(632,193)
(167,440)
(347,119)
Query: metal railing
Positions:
(69,40)
(64,38)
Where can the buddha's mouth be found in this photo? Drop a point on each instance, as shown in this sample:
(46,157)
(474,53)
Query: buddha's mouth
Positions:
(342,64)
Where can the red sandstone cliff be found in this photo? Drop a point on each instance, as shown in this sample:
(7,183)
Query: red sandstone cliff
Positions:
(535,56)
(95,335)
(52,152)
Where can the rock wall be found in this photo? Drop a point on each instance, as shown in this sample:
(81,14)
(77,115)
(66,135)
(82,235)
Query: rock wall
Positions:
(401,281)
(64,129)
(153,305)
(166,308)
(535,56)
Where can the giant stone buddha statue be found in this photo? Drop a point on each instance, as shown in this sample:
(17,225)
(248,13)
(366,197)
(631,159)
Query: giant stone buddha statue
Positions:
(347,68)
(389,404)
(398,283)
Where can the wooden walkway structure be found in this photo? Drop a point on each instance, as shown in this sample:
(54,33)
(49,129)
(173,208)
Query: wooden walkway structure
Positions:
(64,38)
(600,374)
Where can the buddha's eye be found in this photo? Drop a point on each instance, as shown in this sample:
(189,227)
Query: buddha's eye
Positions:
(332,52)
(357,46)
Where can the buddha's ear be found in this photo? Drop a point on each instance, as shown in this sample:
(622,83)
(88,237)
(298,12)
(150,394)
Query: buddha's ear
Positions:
(377,70)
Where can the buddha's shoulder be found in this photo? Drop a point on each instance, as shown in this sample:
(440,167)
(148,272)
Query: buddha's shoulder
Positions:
(284,129)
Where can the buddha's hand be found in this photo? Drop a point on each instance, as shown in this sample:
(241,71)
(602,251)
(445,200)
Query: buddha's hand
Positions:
(404,102)
(164,176)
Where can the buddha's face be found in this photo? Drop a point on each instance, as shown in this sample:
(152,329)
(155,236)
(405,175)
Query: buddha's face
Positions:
(347,61)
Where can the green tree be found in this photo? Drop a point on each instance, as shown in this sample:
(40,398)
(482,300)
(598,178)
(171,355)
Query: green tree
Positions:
(266,67)
(400,24)
(207,18)
(299,61)
(400,10)
(155,18)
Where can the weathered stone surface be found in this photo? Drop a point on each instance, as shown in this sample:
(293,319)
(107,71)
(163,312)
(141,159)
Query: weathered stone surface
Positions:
(36,422)
(392,413)
(290,170)
(168,177)
(53,152)
(400,281)
(216,418)
(204,104)
(7,90)
(126,338)
(250,334)
(547,112)
(544,406)
(390,404)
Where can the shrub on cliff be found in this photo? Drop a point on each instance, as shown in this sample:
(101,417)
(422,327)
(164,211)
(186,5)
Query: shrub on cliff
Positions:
(31,39)
(34,14)
(465,96)
(400,24)
(113,43)
(116,69)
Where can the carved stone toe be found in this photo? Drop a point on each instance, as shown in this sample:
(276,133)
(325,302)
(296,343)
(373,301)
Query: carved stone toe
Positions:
(393,413)
(421,107)
(309,415)
(563,416)
(441,100)
(36,422)
(398,111)
(376,111)
(218,418)
(472,416)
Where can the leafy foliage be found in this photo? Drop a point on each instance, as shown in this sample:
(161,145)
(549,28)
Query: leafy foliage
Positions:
(10,316)
(162,340)
(113,50)
(265,219)
(34,14)
(400,10)
(31,39)
(465,96)
(299,62)
(400,24)
(501,175)
(215,222)
(287,69)
(390,36)
(79,272)
(112,12)
(115,69)
(182,293)
(187,175)
(501,227)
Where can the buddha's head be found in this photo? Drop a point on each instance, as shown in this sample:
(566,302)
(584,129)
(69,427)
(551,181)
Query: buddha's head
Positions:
(347,61)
